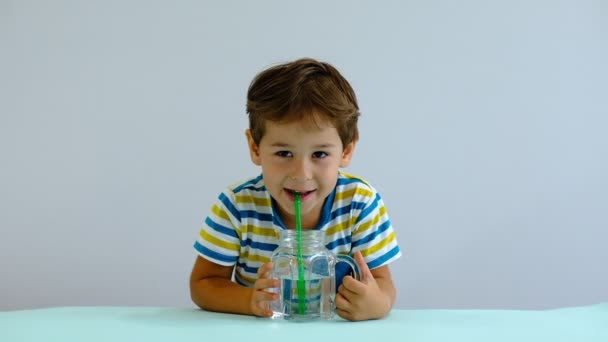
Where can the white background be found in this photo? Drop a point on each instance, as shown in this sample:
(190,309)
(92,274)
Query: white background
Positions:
(484,128)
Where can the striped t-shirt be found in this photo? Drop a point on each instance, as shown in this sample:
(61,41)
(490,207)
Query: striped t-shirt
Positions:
(243,227)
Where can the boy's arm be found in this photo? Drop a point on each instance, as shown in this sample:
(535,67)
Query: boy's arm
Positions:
(211,288)
(385,282)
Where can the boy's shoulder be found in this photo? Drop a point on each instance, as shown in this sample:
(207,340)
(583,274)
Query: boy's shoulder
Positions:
(248,194)
(255,184)
(354,186)
(350,178)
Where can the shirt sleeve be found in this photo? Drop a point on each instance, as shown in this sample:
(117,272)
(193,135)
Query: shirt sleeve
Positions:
(373,233)
(219,240)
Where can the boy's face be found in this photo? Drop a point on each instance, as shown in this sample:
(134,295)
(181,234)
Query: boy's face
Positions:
(300,157)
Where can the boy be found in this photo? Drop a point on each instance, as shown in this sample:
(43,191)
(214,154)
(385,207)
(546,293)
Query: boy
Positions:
(302,130)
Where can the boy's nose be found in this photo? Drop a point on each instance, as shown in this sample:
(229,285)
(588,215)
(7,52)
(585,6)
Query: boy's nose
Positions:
(301,171)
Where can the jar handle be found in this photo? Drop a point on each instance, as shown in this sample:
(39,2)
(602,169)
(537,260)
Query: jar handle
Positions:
(351,262)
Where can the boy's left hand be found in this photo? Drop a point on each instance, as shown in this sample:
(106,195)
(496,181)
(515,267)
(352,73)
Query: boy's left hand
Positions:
(361,300)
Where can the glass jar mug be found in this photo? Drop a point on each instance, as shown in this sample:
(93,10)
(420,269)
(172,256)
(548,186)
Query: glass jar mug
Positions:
(307,287)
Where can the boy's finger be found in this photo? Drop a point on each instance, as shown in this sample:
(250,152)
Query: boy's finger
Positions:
(264,297)
(366,274)
(262,284)
(344,291)
(265,271)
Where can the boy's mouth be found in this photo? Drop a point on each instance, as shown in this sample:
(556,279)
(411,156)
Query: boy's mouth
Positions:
(295,192)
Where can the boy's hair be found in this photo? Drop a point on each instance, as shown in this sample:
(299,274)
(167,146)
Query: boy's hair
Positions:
(305,89)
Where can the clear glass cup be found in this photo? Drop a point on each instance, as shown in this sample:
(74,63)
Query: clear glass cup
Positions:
(314,296)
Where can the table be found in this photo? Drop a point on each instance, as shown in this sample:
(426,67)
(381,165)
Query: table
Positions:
(585,323)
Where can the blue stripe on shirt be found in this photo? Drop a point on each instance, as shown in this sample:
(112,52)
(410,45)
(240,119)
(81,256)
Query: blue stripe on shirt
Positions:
(358,205)
(339,242)
(325,212)
(344,181)
(230,206)
(221,229)
(340,211)
(346,209)
(365,212)
(253,270)
(256,215)
(212,254)
(260,245)
(250,185)
(381,228)
(384,258)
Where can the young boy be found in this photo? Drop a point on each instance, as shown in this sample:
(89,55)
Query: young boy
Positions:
(302,130)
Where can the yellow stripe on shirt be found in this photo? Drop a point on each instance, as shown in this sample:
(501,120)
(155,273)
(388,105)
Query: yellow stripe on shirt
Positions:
(348,175)
(220,212)
(379,245)
(354,191)
(338,227)
(260,202)
(254,257)
(371,223)
(210,238)
(260,231)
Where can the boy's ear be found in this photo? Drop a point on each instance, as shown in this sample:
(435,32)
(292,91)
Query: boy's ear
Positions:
(254,150)
(347,154)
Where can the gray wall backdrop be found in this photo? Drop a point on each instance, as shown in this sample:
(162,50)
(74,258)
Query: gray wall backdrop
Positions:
(484,127)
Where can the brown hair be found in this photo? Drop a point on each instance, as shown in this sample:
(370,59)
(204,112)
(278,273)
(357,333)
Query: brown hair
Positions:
(305,89)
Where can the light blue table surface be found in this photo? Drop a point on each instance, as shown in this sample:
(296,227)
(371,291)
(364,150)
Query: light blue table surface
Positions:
(586,323)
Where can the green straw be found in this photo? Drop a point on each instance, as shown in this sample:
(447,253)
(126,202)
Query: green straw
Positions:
(301,282)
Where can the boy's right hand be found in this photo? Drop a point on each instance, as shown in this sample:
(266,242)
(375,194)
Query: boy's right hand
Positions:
(261,298)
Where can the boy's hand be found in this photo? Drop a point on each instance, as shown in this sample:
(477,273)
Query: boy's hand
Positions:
(361,300)
(260,298)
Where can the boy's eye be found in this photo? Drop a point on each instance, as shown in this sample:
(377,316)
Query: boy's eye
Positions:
(283,154)
(319,155)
